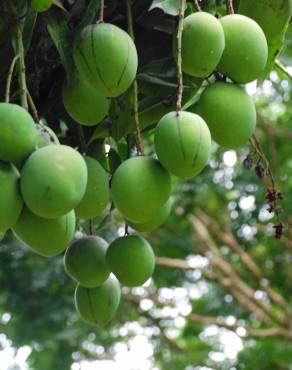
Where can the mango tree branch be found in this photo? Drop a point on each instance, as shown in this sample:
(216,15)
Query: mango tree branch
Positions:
(226,237)
(221,322)
(221,266)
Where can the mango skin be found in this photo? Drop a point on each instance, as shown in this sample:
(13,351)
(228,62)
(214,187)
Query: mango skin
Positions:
(140,186)
(84,261)
(45,237)
(41,5)
(83,103)
(106,55)
(131,259)
(246,49)
(97,306)
(229,112)
(17,133)
(202,44)
(97,193)
(10,199)
(156,220)
(183,143)
(53,180)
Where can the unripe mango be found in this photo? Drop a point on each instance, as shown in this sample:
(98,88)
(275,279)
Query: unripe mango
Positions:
(10,199)
(202,44)
(85,263)
(246,50)
(53,180)
(98,305)
(106,55)
(156,220)
(140,186)
(96,196)
(182,143)
(131,259)
(83,102)
(41,5)
(229,112)
(47,237)
(17,133)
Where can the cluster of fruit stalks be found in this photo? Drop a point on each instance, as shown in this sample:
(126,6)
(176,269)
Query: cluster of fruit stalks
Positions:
(45,185)
(272,195)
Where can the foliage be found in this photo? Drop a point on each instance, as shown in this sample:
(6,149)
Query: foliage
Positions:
(222,212)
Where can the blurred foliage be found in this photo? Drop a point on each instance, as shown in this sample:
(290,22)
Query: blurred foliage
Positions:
(36,297)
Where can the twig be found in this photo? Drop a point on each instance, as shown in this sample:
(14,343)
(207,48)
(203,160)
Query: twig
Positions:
(283,68)
(197,5)
(179,58)
(21,71)
(32,107)
(139,144)
(101,12)
(9,78)
(230,8)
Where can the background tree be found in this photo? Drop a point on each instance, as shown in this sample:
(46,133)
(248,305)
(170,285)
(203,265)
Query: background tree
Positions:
(219,267)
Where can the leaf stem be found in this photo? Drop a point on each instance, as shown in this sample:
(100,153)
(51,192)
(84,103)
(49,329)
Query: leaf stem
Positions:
(197,5)
(101,12)
(9,78)
(283,68)
(179,57)
(139,143)
(230,8)
(21,69)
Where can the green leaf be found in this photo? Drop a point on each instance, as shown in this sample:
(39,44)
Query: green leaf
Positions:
(273,16)
(90,14)
(28,28)
(170,7)
(61,36)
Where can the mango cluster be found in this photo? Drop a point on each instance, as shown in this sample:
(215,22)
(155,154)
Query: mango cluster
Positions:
(97,268)
(46,186)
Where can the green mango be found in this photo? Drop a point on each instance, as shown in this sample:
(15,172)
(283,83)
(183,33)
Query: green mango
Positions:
(229,112)
(53,180)
(202,44)
(97,191)
(140,186)
(106,55)
(18,133)
(10,199)
(183,143)
(131,259)
(83,102)
(46,237)
(98,305)
(85,263)
(246,49)
(156,220)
